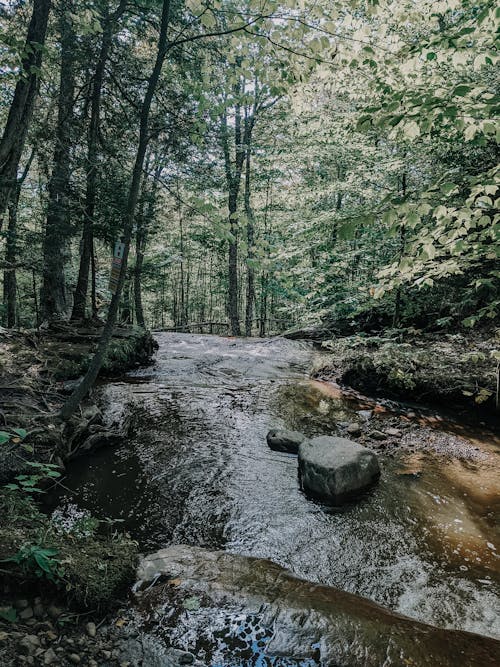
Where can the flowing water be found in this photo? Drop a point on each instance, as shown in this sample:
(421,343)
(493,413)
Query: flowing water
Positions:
(197,470)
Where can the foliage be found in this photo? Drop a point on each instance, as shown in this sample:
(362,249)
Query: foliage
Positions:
(30,483)
(43,562)
(372,178)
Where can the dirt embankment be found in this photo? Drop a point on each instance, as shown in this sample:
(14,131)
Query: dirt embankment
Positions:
(55,568)
(452,371)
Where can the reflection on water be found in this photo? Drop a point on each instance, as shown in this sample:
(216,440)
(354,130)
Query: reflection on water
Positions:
(197,470)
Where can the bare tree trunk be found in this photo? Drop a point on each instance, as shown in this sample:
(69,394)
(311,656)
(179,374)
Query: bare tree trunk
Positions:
(233,180)
(21,108)
(264,278)
(402,243)
(57,230)
(9,276)
(250,296)
(88,381)
(80,295)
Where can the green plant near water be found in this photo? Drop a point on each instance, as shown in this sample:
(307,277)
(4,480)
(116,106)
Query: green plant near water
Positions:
(29,483)
(42,561)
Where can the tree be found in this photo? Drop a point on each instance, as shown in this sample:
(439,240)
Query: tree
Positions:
(23,102)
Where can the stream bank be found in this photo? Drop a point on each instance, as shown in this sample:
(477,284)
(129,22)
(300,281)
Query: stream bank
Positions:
(73,559)
(451,371)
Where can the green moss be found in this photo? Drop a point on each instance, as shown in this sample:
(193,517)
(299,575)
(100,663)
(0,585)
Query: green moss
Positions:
(429,368)
(93,570)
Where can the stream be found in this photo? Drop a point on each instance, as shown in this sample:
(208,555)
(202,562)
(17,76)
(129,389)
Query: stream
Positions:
(197,471)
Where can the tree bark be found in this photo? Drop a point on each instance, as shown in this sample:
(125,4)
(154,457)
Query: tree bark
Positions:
(250,296)
(396,317)
(21,108)
(233,179)
(57,229)
(9,276)
(87,244)
(88,381)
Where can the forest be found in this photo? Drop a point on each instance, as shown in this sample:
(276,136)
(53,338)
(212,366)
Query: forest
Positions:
(221,219)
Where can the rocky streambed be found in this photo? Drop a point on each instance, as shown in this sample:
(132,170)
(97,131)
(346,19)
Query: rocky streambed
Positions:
(197,470)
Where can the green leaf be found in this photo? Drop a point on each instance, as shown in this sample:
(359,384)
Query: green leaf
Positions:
(461,90)
(8,615)
(4,437)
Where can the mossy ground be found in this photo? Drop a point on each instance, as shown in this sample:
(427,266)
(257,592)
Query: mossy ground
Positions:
(451,369)
(88,571)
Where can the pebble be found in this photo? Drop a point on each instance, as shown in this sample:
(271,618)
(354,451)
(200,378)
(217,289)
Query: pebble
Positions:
(378,435)
(26,614)
(49,657)
(74,658)
(393,432)
(53,611)
(38,610)
(28,644)
(91,629)
(21,604)
(354,429)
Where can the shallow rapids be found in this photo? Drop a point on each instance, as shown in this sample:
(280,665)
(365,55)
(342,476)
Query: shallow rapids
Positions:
(197,471)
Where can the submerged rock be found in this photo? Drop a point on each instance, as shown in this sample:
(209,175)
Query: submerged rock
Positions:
(335,469)
(285,441)
(253,608)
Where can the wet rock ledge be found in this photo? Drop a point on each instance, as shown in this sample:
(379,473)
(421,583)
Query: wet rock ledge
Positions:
(238,602)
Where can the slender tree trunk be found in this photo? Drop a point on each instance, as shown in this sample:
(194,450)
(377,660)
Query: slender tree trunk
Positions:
(9,276)
(233,313)
(88,381)
(250,300)
(264,278)
(57,230)
(21,108)
(402,244)
(80,295)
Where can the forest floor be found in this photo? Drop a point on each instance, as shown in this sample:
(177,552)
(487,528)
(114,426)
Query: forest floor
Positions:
(89,565)
(456,372)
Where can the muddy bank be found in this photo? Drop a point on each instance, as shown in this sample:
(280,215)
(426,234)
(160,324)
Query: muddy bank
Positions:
(38,370)
(450,370)
(70,560)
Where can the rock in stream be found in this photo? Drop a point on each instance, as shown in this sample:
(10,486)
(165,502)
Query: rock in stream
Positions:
(232,609)
(336,469)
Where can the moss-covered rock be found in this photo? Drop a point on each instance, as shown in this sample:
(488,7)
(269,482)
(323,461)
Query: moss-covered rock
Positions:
(449,369)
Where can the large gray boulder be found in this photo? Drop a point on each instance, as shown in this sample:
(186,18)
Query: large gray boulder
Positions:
(336,469)
(285,441)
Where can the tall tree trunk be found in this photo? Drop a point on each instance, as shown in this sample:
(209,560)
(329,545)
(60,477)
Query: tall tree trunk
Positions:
(402,244)
(264,278)
(88,381)
(21,108)
(57,230)
(233,313)
(9,275)
(87,244)
(250,296)
(233,180)
(143,220)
